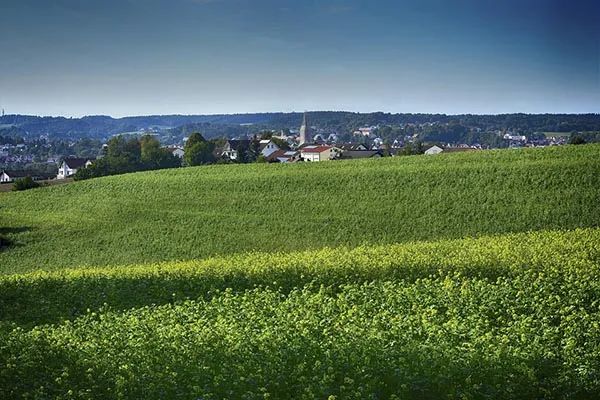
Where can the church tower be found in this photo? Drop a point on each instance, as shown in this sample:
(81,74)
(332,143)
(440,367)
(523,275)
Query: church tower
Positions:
(304,131)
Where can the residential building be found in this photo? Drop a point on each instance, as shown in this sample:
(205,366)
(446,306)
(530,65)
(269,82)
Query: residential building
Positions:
(267,147)
(434,150)
(70,165)
(177,151)
(319,153)
(233,146)
(284,156)
(10,176)
(353,147)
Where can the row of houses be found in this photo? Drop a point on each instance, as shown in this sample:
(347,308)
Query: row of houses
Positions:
(7,176)
(268,149)
(308,152)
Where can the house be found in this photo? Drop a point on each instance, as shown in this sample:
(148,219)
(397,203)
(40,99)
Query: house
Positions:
(354,154)
(177,151)
(10,176)
(233,146)
(284,156)
(319,153)
(434,150)
(367,131)
(267,147)
(332,138)
(70,165)
(353,147)
(318,138)
(437,150)
(514,138)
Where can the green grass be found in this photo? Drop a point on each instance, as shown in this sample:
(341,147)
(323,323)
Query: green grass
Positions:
(514,316)
(461,276)
(199,212)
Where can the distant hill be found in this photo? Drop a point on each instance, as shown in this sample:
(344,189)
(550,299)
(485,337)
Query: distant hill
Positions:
(101,127)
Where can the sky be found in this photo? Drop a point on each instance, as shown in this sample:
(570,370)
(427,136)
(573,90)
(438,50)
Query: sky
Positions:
(141,57)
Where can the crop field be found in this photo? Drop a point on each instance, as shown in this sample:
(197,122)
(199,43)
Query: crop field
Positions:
(459,276)
(511,316)
(194,213)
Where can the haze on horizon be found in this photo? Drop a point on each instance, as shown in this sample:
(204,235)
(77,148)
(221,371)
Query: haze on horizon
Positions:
(141,57)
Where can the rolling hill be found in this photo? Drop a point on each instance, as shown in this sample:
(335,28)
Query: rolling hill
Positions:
(204,211)
(462,276)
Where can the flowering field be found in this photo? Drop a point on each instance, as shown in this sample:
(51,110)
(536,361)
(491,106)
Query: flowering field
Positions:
(513,316)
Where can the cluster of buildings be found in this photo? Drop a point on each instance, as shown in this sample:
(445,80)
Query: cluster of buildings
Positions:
(68,167)
(301,145)
(16,153)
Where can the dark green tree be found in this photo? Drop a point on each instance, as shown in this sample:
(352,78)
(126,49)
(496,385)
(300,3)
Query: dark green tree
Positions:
(155,157)
(198,151)
(24,184)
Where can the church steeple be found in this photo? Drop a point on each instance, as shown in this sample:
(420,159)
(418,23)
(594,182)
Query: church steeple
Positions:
(304,131)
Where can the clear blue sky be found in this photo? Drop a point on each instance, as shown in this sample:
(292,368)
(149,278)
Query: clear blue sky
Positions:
(133,57)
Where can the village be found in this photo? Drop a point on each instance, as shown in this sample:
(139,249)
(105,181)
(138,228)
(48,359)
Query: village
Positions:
(306,144)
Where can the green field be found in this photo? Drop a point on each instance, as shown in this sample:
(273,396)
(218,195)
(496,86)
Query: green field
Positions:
(198,212)
(460,276)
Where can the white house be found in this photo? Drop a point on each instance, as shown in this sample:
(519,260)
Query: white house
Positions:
(367,131)
(4,177)
(177,151)
(434,150)
(516,138)
(268,147)
(10,176)
(70,165)
(232,146)
(319,153)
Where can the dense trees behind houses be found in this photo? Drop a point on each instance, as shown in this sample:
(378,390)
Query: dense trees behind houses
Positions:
(124,155)
(102,127)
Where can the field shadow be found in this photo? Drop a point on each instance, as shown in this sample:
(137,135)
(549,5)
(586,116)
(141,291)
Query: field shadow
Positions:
(6,230)
(7,242)
(54,299)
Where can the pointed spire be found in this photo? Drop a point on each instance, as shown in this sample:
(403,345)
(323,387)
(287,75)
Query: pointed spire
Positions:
(304,131)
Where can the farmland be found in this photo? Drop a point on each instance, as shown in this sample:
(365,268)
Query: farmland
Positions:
(510,316)
(194,213)
(460,276)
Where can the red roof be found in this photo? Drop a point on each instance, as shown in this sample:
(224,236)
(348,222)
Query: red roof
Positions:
(315,149)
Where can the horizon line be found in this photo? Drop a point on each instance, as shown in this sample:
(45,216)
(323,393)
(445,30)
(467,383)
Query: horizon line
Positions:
(295,112)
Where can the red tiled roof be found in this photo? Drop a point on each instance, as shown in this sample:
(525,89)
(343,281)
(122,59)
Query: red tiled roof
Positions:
(316,149)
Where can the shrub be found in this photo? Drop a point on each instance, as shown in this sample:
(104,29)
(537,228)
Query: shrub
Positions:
(25,183)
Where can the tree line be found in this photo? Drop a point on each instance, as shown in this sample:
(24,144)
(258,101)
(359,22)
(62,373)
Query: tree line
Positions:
(123,155)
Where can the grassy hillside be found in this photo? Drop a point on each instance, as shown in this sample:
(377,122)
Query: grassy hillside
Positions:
(461,276)
(194,213)
(512,316)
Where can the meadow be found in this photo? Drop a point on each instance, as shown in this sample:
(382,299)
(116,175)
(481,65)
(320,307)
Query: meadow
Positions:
(200,212)
(460,276)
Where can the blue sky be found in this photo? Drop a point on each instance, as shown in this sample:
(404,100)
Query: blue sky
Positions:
(135,57)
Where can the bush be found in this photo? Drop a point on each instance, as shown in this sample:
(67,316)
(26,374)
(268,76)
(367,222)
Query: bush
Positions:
(25,183)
